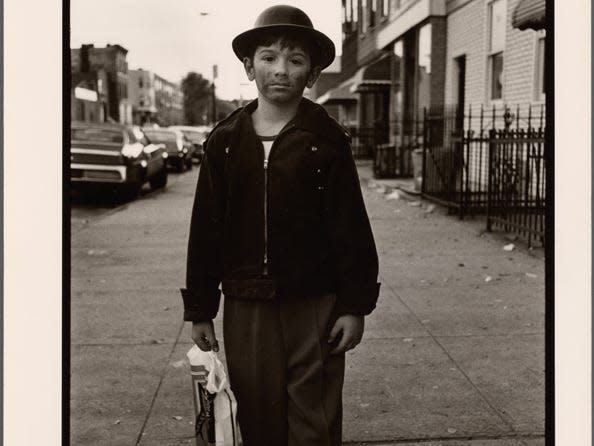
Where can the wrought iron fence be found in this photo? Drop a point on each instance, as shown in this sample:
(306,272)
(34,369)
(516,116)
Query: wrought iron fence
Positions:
(363,141)
(390,161)
(473,163)
(517,183)
(443,157)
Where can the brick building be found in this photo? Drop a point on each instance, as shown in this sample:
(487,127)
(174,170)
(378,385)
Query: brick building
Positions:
(169,101)
(154,99)
(402,56)
(141,91)
(393,62)
(88,96)
(105,71)
(490,60)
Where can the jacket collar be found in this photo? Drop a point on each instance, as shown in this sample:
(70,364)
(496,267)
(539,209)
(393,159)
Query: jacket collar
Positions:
(310,117)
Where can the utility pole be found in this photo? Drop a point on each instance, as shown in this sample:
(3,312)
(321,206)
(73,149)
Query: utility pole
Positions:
(214,97)
(241,85)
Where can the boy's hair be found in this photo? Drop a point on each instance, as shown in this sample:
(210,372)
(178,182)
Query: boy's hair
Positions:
(287,38)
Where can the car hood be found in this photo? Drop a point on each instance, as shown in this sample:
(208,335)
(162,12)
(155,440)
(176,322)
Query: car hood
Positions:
(170,146)
(97,145)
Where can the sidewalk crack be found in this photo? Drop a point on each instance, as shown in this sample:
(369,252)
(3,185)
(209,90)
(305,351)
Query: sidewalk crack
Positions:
(161,378)
(508,422)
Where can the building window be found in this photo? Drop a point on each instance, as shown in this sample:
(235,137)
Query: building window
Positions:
(349,11)
(540,83)
(385,7)
(139,82)
(424,68)
(355,12)
(497,28)
(351,15)
(372,13)
(496,75)
(364,16)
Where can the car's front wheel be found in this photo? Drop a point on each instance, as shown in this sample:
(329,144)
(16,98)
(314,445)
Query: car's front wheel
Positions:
(160,180)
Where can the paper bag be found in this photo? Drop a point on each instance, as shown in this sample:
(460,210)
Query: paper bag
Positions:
(214,403)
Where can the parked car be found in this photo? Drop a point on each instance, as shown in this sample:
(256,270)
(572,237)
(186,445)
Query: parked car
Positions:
(196,135)
(179,148)
(116,156)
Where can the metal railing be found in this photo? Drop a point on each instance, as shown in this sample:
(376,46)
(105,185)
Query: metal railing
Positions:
(363,141)
(517,183)
(490,162)
(390,161)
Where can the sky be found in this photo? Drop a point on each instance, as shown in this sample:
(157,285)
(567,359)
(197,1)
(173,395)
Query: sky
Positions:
(173,37)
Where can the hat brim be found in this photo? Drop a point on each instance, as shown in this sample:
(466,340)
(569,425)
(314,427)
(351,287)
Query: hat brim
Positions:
(325,45)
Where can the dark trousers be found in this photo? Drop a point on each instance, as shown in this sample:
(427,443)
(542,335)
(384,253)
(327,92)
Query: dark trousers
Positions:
(288,387)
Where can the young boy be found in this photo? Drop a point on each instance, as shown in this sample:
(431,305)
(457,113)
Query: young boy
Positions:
(279,220)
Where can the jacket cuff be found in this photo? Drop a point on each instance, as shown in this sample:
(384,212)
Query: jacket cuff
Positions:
(357,300)
(200,306)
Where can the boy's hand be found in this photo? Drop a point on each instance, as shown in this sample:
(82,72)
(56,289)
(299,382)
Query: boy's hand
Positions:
(204,336)
(350,328)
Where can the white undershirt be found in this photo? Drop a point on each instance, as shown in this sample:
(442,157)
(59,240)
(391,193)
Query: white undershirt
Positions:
(267,146)
(267,143)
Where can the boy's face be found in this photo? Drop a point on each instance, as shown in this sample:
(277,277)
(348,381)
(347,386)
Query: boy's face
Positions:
(281,74)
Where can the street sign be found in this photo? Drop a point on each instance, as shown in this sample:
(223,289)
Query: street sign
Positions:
(85,94)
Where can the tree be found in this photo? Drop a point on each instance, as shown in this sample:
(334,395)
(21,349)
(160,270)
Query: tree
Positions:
(224,108)
(197,98)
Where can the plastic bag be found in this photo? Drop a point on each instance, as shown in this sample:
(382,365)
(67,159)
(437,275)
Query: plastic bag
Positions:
(214,403)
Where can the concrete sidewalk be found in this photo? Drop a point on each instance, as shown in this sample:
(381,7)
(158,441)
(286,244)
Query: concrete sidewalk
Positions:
(453,354)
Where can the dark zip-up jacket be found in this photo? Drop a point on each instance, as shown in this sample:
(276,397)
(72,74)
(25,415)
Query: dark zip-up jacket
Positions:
(296,227)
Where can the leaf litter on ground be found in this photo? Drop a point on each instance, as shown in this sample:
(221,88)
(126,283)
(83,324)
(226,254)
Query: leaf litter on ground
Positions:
(393,195)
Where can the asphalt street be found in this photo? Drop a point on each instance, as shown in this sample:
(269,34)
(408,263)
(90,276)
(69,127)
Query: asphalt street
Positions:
(453,354)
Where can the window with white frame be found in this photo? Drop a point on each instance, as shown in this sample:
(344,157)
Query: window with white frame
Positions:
(497,28)
(345,24)
(540,86)
(385,7)
(355,12)
(372,12)
(364,16)
(349,11)
(348,24)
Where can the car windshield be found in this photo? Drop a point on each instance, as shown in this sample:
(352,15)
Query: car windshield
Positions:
(160,135)
(194,136)
(95,134)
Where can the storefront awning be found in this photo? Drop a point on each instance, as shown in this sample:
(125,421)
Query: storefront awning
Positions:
(337,95)
(375,76)
(372,77)
(530,14)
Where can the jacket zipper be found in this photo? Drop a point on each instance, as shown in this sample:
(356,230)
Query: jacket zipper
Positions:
(265,266)
(265,263)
